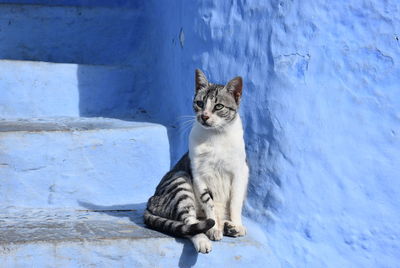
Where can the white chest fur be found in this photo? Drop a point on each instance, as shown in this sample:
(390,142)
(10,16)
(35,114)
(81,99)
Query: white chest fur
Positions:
(218,158)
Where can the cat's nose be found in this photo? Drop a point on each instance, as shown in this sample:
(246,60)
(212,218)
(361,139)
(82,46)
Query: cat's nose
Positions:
(204,117)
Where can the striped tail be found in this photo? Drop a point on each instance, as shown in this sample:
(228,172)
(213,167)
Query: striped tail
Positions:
(176,228)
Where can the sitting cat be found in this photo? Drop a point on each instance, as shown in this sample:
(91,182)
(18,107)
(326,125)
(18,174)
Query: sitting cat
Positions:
(202,196)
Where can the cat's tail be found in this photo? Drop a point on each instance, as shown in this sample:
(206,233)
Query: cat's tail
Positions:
(176,228)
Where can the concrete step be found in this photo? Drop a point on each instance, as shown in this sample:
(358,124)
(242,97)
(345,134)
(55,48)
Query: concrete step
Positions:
(74,33)
(110,238)
(62,162)
(41,89)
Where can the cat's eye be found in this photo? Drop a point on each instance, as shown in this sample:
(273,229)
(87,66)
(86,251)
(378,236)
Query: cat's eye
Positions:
(200,104)
(219,106)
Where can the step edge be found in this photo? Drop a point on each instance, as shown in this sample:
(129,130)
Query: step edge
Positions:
(82,130)
(78,240)
(62,124)
(232,241)
(50,63)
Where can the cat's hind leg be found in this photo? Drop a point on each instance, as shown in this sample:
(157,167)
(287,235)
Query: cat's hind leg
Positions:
(173,208)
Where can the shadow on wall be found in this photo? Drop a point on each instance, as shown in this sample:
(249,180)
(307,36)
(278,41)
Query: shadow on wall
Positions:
(118,92)
(123,86)
(134,212)
(109,91)
(156,82)
(119,86)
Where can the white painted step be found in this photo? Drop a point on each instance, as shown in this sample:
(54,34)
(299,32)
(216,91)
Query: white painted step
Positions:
(41,89)
(65,162)
(104,34)
(110,238)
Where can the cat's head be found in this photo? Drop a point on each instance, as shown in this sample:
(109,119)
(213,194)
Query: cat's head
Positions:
(216,105)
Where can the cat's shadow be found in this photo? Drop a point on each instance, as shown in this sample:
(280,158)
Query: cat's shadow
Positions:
(134,212)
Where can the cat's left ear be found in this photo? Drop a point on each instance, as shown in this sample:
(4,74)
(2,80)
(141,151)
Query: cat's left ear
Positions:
(235,88)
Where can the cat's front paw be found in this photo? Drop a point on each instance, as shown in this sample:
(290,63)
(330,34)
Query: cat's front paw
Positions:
(214,234)
(202,243)
(231,229)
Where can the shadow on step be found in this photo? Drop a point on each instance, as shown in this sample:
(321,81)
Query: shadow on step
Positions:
(134,212)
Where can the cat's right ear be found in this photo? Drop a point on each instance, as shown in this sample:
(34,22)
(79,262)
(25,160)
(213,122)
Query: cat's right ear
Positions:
(201,80)
(235,88)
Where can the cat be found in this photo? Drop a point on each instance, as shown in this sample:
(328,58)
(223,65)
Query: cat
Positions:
(202,196)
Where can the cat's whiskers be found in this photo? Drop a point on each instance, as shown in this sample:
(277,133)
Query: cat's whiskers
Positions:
(186,123)
(186,116)
(186,126)
(184,119)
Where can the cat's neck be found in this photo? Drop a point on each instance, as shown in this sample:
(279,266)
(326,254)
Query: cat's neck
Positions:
(223,142)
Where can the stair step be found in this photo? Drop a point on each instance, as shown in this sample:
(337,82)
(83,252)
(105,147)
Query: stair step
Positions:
(41,89)
(110,238)
(62,162)
(74,34)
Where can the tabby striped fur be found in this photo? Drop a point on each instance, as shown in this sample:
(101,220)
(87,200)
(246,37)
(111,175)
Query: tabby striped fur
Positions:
(172,208)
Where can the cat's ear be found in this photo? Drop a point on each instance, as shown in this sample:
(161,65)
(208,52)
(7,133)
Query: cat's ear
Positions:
(201,80)
(235,88)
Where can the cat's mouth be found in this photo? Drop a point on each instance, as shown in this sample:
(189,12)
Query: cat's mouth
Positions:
(205,124)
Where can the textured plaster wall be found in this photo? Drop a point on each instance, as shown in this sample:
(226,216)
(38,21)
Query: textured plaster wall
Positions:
(321,113)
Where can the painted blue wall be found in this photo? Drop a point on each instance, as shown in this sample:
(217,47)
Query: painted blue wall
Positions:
(321,112)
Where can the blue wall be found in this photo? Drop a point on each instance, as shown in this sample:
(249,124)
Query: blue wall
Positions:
(321,113)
